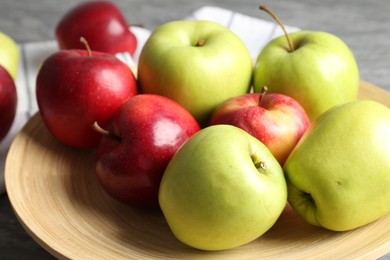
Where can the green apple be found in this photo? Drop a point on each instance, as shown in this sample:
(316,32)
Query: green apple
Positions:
(338,175)
(9,55)
(319,72)
(222,189)
(199,64)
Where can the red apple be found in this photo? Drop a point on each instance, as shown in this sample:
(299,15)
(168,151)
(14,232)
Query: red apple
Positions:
(75,88)
(144,136)
(8,102)
(277,120)
(101,23)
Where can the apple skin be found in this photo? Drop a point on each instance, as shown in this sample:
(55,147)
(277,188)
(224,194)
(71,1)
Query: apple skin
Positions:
(278,121)
(101,23)
(9,55)
(321,73)
(151,129)
(215,195)
(175,63)
(75,89)
(338,174)
(8,102)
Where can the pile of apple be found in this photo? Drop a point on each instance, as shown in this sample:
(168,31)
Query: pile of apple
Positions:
(188,135)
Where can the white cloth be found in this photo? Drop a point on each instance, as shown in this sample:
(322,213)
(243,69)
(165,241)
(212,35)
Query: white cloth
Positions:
(255,33)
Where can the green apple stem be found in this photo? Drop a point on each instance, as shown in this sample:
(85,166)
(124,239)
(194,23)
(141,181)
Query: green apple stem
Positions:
(262,95)
(102,131)
(200,43)
(290,44)
(260,165)
(85,42)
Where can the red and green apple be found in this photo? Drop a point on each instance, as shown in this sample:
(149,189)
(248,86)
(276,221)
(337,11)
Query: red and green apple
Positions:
(277,120)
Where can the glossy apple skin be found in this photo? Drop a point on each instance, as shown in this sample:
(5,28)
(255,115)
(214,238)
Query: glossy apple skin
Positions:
(321,73)
(222,189)
(278,121)
(74,89)
(151,129)
(101,23)
(197,76)
(338,175)
(8,102)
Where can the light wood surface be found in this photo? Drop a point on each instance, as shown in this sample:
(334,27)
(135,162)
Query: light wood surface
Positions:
(57,199)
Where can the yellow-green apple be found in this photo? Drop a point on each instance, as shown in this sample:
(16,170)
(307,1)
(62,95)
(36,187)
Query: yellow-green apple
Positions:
(223,188)
(338,175)
(198,64)
(75,88)
(101,23)
(8,102)
(277,120)
(143,137)
(318,70)
(9,55)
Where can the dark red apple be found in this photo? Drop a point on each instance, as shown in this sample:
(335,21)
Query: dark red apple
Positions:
(101,23)
(144,136)
(277,120)
(75,88)
(8,102)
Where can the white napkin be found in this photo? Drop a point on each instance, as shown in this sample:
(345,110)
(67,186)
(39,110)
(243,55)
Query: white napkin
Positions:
(255,33)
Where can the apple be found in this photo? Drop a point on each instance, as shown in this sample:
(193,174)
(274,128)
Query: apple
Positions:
(74,88)
(199,64)
(277,120)
(223,188)
(8,102)
(142,139)
(9,55)
(101,23)
(315,68)
(338,175)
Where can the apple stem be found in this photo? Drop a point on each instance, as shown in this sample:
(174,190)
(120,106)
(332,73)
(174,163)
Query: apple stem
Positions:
(102,131)
(260,165)
(262,95)
(85,42)
(200,43)
(290,44)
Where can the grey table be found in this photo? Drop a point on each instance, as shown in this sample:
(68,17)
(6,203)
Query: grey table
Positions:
(363,25)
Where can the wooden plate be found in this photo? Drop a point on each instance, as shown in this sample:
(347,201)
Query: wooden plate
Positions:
(57,199)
